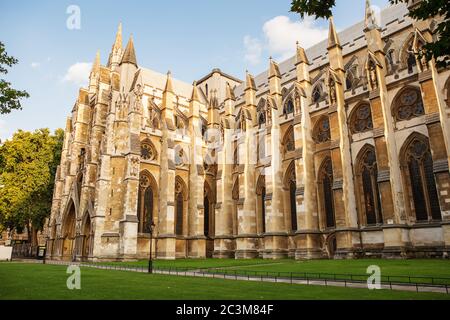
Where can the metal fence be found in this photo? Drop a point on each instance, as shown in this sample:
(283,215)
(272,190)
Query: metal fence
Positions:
(24,251)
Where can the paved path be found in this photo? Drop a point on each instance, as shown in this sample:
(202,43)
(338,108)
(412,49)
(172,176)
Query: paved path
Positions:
(205,274)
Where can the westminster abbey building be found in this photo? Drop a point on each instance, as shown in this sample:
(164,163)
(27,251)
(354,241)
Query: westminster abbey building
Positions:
(341,151)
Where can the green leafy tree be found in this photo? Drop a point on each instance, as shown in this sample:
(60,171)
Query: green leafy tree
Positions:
(9,97)
(28,165)
(425,9)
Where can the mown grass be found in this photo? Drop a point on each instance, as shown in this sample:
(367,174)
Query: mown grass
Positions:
(420,270)
(36,281)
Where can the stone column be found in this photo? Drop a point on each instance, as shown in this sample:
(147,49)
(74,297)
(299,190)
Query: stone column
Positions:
(275,238)
(396,236)
(166,224)
(307,236)
(344,192)
(224,240)
(196,236)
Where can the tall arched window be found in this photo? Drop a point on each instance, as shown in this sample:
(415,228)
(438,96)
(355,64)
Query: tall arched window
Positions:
(261,196)
(291,185)
(361,119)
(322,131)
(368,175)
(326,179)
(145,204)
(179,208)
(419,163)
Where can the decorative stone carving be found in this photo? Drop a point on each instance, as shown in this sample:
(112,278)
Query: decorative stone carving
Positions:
(134,168)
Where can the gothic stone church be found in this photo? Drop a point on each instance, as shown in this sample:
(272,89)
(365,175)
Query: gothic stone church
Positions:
(341,151)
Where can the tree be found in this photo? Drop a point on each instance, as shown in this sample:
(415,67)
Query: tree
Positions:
(425,9)
(28,164)
(9,97)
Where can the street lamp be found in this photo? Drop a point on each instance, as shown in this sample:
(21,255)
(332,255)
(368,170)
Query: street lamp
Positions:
(150,260)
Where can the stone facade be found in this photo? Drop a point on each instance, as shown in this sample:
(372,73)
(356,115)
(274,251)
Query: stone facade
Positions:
(339,152)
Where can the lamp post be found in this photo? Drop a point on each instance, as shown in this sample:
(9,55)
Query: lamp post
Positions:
(150,260)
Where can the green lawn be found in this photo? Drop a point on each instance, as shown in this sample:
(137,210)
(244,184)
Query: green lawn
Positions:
(35,281)
(414,268)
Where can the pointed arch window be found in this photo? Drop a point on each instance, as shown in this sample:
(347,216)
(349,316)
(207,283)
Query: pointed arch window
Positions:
(422,181)
(179,208)
(289,141)
(408,105)
(322,131)
(261,195)
(145,204)
(326,179)
(370,192)
(361,119)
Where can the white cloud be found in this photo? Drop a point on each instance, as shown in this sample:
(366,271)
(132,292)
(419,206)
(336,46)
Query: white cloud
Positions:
(35,65)
(282,34)
(280,37)
(253,50)
(78,73)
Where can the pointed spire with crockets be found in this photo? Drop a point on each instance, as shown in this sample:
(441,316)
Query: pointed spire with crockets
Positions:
(118,42)
(250,82)
(195,92)
(333,39)
(129,56)
(229,93)
(301,55)
(96,64)
(274,70)
(169,86)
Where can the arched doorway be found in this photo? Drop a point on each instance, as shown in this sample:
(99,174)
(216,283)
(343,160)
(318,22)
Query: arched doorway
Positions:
(69,234)
(88,238)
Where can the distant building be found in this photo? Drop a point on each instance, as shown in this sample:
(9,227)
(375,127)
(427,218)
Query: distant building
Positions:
(339,152)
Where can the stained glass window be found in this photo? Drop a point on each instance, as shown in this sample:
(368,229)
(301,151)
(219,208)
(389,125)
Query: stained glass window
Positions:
(423,183)
(322,131)
(409,105)
(361,120)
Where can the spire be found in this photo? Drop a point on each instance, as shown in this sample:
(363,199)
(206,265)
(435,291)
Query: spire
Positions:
(274,70)
(96,64)
(229,93)
(333,39)
(370,21)
(129,56)
(118,42)
(169,87)
(301,55)
(195,92)
(250,81)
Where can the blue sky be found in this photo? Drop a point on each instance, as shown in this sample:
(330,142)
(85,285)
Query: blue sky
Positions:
(187,37)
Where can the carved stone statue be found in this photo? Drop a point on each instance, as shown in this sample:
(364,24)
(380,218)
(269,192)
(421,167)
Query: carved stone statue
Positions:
(333,95)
